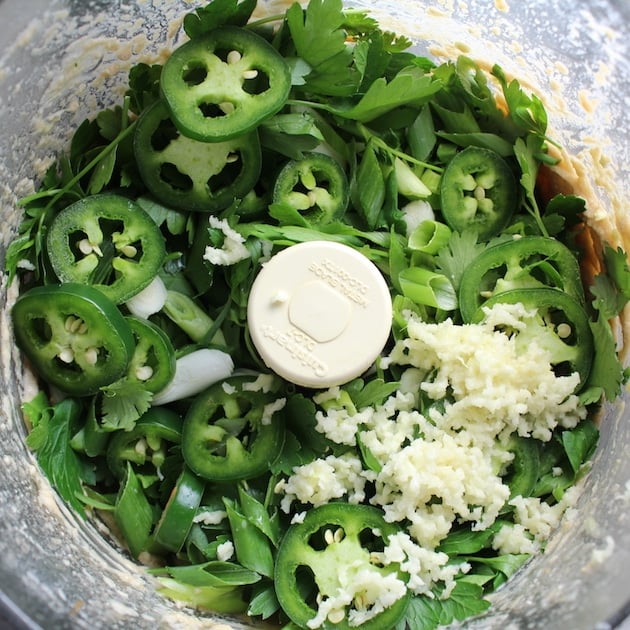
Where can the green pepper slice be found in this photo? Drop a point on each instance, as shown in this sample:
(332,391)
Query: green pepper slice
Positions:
(91,438)
(153,360)
(315,185)
(177,517)
(230,432)
(333,543)
(107,241)
(478,191)
(221,85)
(147,443)
(191,175)
(559,324)
(75,337)
(525,263)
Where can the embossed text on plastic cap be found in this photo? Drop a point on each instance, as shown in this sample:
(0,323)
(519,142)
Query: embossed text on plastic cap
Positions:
(319,313)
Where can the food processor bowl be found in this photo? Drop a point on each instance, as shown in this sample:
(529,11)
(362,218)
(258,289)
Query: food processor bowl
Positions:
(61,61)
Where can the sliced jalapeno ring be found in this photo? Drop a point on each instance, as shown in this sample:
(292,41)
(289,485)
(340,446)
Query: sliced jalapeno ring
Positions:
(107,241)
(153,360)
(221,85)
(92,439)
(189,174)
(316,186)
(177,517)
(147,443)
(231,432)
(333,543)
(558,324)
(75,337)
(478,191)
(525,263)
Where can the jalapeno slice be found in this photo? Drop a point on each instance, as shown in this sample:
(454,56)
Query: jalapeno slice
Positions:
(558,323)
(153,360)
(221,85)
(333,545)
(107,241)
(316,186)
(177,517)
(478,191)
(147,443)
(189,174)
(75,337)
(525,263)
(231,430)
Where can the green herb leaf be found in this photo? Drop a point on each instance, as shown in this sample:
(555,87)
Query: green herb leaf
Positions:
(452,260)
(263,602)
(580,443)
(427,613)
(133,513)
(253,548)
(53,428)
(606,371)
(144,86)
(216,14)
(368,187)
(410,85)
(123,402)
(320,40)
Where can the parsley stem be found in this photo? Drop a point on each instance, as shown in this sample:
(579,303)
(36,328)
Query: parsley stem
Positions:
(381,144)
(91,164)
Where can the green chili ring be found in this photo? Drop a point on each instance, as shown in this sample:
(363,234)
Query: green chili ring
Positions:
(75,337)
(560,325)
(189,174)
(527,262)
(330,538)
(177,517)
(478,191)
(107,241)
(223,84)
(228,432)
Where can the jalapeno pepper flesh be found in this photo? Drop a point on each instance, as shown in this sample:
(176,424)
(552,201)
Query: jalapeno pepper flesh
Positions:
(558,323)
(525,263)
(230,431)
(75,337)
(107,241)
(177,517)
(189,174)
(478,191)
(223,84)
(153,360)
(147,443)
(316,186)
(333,543)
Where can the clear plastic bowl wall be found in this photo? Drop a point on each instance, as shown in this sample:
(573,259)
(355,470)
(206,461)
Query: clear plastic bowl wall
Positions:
(59,61)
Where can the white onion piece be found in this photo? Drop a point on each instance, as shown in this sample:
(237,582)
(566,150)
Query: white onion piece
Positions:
(193,373)
(148,301)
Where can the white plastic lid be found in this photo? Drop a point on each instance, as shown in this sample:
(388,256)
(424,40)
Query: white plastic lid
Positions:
(319,313)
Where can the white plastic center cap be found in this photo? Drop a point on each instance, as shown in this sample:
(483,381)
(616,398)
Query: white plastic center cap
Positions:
(319,313)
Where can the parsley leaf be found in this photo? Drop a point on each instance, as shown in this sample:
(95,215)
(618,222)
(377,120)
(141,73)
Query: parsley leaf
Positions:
(606,372)
(319,38)
(427,613)
(218,13)
(461,250)
(580,443)
(123,402)
(410,85)
(144,86)
(53,428)
(618,269)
